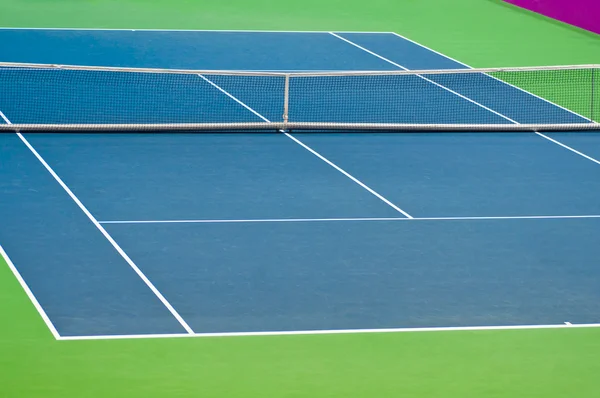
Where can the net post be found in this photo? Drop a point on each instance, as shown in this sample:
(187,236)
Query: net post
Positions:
(593,95)
(286,100)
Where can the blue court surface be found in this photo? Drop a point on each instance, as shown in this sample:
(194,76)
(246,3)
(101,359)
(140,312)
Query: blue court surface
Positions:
(209,234)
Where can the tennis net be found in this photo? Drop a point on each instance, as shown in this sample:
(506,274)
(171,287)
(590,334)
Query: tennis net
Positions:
(43,97)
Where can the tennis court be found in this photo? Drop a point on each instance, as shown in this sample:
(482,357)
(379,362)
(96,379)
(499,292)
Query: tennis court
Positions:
(217,233)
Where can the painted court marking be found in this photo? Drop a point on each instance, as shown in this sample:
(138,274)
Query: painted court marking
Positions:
(4,118)
(190,332)
(467,98)
(518,88)
(300,220)
(317,154)
(106,235)
(569,148)
(30,294)
(491,77)
(423,77)
(336,332)
(22,282)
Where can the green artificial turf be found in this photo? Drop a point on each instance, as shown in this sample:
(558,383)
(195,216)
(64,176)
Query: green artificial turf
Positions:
(483,33)
(506,364)
(519,363)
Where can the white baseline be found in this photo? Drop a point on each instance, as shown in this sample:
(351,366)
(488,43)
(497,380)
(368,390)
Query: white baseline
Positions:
(338,331)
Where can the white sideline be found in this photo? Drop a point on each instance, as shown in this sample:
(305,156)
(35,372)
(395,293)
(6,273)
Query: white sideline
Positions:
(495,78)
(30,294)
(338,331)
(22,282)
(423,77)
(107,236)
(468,99)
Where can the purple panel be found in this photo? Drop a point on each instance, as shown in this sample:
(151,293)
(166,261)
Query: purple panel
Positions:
(582,13)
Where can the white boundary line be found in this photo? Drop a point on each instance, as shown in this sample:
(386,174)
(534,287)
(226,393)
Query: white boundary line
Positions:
(301,220)
(356,180)
(107,236)
(468,99)
(317,154)
(424,78)
(231,96)
(495,78)
(22,282)
(3,116)
(102,230)
(569,148)
(347,331)
(30,294)
(339,331)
